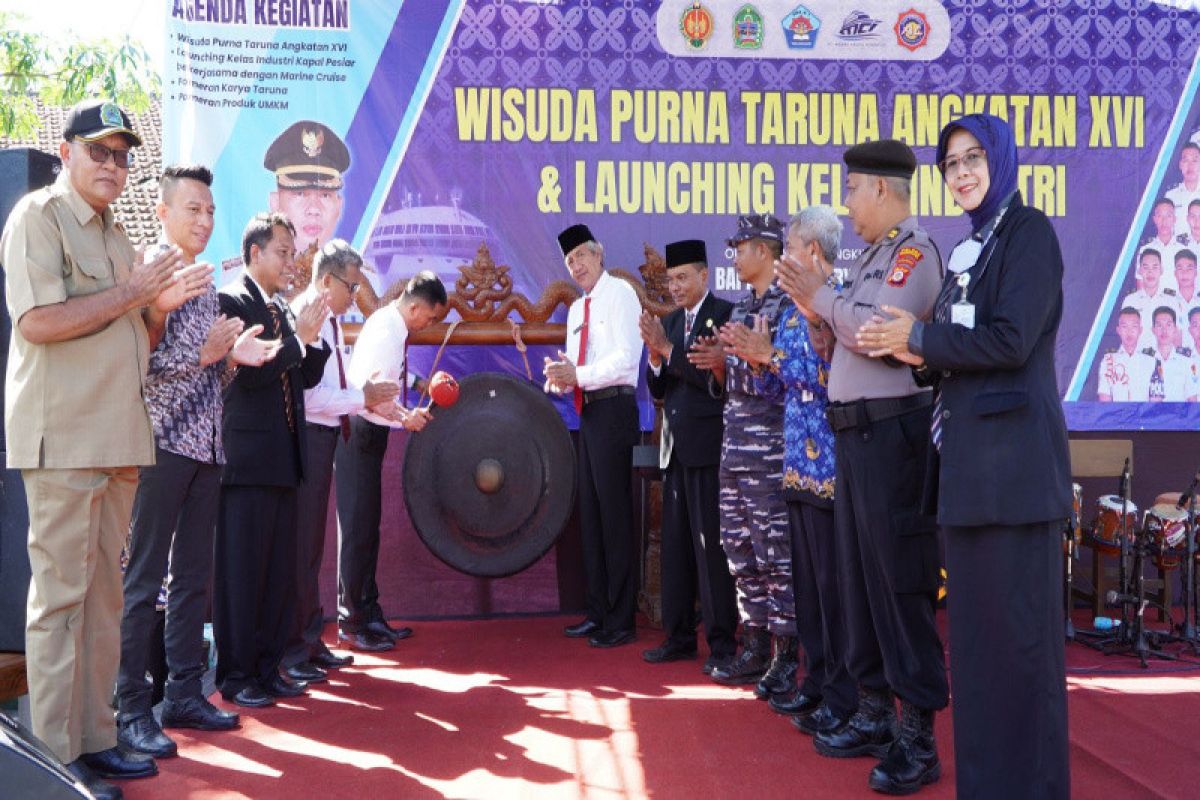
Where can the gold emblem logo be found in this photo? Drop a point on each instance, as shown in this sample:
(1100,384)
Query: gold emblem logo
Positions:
(312,142)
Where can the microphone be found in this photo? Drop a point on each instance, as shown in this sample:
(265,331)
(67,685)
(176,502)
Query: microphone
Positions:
(1123,488)
(1187,496)
(1115,598)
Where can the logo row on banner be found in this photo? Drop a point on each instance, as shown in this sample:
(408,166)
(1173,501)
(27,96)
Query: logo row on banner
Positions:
(896,30)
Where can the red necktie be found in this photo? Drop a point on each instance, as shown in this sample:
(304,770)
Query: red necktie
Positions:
(581,358)
(344,419)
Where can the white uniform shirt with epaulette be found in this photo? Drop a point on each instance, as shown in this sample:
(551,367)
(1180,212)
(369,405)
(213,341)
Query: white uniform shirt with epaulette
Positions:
(1125,377)
(1181,196)
(1180,379)
(1167,253)
(1146,304)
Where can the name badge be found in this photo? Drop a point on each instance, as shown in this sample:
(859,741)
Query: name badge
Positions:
(963,312)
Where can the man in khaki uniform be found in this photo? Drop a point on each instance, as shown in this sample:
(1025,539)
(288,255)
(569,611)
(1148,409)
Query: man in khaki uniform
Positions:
(86,312)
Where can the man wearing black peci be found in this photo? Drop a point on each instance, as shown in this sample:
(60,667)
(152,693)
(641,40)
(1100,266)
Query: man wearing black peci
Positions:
(692,558)
(264,435)
(600,369)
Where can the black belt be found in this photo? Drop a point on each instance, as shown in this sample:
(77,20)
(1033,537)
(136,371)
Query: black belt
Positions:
(606,392)
(323,427)
(859,414)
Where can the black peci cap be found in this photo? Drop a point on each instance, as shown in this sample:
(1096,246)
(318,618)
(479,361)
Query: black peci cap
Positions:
(308,155)
(890,158)
(687,251)
(574,236)
(90,120)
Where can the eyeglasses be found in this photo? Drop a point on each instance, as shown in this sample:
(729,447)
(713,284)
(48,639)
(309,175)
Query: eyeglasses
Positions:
(353,287)
(100,154)
(968,161)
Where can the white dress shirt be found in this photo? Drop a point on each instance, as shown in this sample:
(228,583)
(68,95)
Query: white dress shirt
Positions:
(379,349)
(614,347)
(325,403)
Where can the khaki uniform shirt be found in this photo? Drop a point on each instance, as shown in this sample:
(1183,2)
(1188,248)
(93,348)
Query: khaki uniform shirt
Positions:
(902,269)
(78,403)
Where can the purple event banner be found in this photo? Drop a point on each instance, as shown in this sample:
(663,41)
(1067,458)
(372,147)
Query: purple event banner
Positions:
(471,121)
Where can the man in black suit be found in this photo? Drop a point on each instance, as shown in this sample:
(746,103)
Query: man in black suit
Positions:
(692,557)
(264,436)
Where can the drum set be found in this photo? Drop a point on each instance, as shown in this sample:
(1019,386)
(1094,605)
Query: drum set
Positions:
(1165,535)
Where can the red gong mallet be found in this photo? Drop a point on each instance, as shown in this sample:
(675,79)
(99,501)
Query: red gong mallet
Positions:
(443,390)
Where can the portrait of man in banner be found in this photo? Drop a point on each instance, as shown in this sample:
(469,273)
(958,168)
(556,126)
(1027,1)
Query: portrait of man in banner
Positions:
(309,161)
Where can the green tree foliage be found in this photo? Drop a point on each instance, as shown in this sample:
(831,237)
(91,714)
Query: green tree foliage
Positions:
(63,72)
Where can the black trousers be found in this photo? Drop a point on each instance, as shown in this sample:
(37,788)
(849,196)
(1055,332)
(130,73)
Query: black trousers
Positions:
(254,592)
(174,514)
(608,431)
(888,559)
(693,560)
(312,509)
(358,472)
(819,620)
(1007,661)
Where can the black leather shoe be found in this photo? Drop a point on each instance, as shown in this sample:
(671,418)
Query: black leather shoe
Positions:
(820,721)
(116,762)
(279,686)
(197,713)
(716,662)
(251,697)
(382,628)
(141,734)
(327,660)
(367,641)
(581,629)
(100,789)
(612,638)
(306,672)
(669,651)
(870,732)
(912,760)
(795,703)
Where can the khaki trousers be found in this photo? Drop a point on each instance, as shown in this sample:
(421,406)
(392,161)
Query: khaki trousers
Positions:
(78,520)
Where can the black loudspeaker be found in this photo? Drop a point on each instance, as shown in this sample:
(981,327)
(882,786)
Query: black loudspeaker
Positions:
(22,170)
(29,769)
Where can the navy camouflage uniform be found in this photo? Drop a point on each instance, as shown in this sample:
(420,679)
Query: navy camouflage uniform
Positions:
(754,522)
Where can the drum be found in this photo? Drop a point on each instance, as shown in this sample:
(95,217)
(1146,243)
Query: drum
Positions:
(1074,531)
(1166,527)
(1109,527)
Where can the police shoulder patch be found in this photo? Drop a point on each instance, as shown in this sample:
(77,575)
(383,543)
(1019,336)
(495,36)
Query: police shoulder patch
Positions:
(902,265)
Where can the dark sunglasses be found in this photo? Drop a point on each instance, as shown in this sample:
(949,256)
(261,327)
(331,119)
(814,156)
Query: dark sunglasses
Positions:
(99,153)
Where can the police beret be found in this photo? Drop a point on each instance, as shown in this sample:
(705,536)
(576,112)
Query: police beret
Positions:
(308,155)
(687,251)
(89,120)
(574,236)
(757,226)
(888,157)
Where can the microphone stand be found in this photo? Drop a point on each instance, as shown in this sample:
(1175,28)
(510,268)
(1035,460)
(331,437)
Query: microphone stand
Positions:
(1123,566)
(1189,570)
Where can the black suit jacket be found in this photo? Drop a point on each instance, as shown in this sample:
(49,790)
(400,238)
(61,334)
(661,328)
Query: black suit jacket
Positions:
(260,450)
(693,414)
(1004,458)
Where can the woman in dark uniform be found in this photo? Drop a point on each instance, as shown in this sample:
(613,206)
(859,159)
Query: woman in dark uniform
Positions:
(1002,468)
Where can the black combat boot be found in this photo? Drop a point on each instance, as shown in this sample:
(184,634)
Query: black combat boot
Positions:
(912,761)
(781,675)
(870,732)
(751,662)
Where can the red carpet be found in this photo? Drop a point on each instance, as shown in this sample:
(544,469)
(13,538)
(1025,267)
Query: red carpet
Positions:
(509,708)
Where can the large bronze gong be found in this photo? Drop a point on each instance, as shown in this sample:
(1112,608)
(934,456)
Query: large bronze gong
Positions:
(490,482)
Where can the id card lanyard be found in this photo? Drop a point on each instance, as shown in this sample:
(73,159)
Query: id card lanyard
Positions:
(964,256)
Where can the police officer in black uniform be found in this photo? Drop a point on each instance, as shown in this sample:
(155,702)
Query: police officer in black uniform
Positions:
(887,549)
